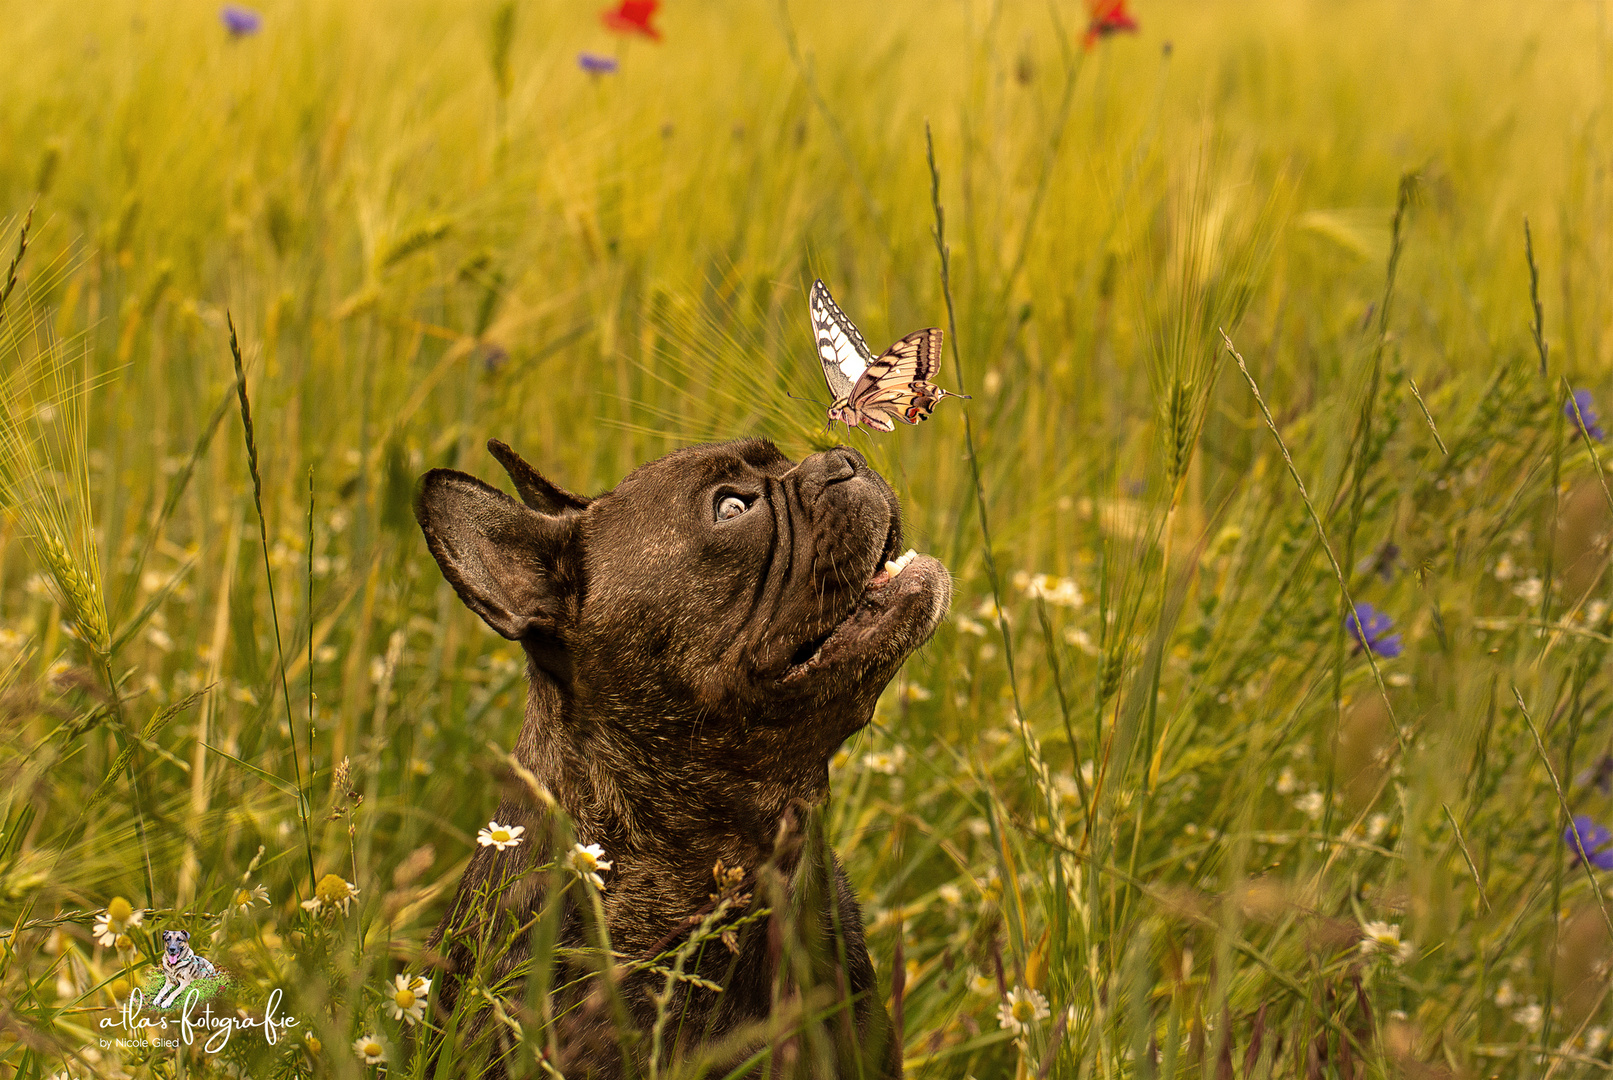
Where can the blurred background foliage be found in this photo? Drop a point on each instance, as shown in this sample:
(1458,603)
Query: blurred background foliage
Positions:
(1144,772)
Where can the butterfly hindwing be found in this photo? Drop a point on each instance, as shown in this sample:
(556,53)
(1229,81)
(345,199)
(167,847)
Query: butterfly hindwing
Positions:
(915,358)
(841,349)
(896,383)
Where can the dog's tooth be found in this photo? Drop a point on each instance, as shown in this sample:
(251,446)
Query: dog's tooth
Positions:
(897,565)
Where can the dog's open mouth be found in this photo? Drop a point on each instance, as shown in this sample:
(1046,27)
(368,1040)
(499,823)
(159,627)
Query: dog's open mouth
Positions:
(897,609)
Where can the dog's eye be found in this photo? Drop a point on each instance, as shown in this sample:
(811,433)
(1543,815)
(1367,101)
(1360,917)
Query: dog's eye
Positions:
(731,506)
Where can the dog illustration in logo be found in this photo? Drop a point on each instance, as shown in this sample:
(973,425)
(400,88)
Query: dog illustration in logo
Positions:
(180,967)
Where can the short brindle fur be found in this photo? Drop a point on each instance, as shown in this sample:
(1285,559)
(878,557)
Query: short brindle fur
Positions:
(692,671)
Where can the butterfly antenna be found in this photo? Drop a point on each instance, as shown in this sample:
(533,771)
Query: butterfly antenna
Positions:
(809,401)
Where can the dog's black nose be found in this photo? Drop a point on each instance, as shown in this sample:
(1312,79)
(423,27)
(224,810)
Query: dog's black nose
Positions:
(816,473)
(840,464)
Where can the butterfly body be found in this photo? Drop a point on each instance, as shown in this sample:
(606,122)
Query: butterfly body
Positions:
(874,391)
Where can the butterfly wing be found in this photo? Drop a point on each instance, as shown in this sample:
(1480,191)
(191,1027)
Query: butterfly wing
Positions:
(841,349)
(897,383)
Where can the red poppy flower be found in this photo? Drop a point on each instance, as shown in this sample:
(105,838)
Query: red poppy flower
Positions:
(1108,17)
(633,17)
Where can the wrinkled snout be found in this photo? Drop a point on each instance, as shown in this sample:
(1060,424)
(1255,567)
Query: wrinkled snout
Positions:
(818,472)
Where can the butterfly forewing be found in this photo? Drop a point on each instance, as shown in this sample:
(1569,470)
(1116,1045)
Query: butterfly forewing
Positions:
(841,349)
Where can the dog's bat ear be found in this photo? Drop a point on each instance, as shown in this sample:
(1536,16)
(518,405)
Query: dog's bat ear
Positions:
(535,491)
(507,562)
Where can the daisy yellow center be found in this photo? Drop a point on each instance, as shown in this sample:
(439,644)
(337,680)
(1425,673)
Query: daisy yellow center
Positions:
(119,910)
(1023,1010)
(124,943)
(501,836)
(313,1043)
(242,897)
(331,889)
(404,998)
(372,1048)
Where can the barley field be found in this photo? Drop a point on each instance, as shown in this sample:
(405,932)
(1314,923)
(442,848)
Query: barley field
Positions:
(1269,734)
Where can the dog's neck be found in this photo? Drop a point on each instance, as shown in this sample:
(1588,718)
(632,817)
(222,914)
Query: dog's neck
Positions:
(685,800)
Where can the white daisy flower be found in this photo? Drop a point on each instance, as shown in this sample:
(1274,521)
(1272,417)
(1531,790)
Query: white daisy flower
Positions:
(244,898)
(950,895)
(587,860)
(1377,825)
(982,984)
(1505,995)
(117,918)
(1022,1009)
(500,836)
(1381,937)
(1531,1016)
(332,892)
(1082,640)
(407,997)
(1063,592)
(370,1049)
(1312,804)
(889,762)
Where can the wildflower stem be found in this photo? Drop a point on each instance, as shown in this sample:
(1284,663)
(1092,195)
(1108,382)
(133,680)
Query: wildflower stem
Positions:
(1316,521)
(1590,443)
(1064,703)
(990,560)
(1564,818)
(1538,327)
(16,260)
(1416,393)
(170,502)
(1467,856)
(1562,803)
(1361,447)
(274,616)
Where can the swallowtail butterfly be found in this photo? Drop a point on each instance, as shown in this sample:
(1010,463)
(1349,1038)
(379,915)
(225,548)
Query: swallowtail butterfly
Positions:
(874,390)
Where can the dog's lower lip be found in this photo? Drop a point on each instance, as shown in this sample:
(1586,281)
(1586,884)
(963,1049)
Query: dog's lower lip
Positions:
(809,651)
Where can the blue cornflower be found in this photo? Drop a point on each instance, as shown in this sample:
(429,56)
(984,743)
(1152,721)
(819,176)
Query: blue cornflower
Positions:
(240,21)
(595,64)
(1595,840)
(1373,630)
(1586,417)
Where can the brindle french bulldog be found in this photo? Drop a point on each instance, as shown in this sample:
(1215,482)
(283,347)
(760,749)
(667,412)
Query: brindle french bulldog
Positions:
(700,641)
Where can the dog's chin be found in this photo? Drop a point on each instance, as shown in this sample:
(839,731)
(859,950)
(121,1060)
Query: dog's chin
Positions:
(895,614)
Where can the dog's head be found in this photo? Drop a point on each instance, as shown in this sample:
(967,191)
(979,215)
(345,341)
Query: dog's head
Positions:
(721,596)
(175,943)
